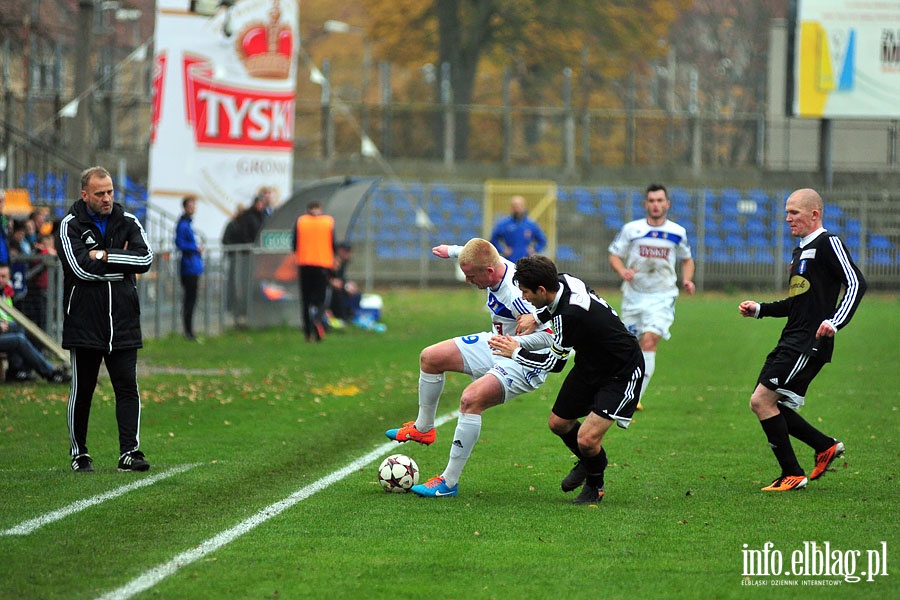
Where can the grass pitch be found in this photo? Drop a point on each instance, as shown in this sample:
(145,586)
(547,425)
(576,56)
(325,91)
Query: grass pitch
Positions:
(253,417)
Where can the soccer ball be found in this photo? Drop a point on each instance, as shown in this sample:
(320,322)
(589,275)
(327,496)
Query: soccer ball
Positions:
(398,473)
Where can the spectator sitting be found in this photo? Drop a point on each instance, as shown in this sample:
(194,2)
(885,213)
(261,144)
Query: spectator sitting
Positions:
(345,295)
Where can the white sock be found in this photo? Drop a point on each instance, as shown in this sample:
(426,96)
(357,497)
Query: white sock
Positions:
(468,429)
(649,366)
(430,388)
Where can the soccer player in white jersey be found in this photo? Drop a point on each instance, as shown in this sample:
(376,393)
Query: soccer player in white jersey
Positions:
(496,379)
(644,255)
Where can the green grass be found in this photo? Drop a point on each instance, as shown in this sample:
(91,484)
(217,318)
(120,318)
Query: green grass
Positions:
(266,414)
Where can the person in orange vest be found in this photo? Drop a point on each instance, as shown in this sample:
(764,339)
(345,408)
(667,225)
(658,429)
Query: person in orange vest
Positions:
(314,252)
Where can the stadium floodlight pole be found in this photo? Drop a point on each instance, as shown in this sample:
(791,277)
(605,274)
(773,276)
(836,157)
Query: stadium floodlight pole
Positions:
(334,26)
(82,137)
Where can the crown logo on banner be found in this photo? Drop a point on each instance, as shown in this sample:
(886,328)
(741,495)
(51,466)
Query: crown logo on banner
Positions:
(266,48)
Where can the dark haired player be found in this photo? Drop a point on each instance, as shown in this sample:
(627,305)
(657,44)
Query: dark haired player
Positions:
(644,255)
(604,384)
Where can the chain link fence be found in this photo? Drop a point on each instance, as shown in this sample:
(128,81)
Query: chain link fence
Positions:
(738,237)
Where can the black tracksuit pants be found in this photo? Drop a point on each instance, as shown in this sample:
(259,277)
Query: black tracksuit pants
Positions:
(122,368)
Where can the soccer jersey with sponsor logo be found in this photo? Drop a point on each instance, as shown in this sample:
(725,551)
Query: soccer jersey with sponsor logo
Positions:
(820,269)
(651,252)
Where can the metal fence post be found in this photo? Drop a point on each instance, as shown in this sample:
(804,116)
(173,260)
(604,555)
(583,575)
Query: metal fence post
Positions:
(449,120)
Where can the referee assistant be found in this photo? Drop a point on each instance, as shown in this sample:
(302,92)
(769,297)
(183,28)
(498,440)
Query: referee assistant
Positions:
(101,248)
(820,267)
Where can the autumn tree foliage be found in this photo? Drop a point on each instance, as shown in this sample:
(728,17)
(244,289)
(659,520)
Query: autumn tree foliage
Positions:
(534,39)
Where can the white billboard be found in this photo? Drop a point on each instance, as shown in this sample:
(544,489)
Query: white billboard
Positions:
(223,106)
(846,59)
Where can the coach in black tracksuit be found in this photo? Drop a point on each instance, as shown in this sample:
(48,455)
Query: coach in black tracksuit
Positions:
(820,267)
(101,248)
(604,385)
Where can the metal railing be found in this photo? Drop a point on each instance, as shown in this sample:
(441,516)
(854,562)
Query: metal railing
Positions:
(256,287)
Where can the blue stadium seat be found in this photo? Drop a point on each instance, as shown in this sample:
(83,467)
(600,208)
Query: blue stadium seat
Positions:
(613,222)
(759,240)
(679,196)
(762,254)
(756,225)
(384,250)
(786,255)
(712,240)
(566,253)
(637,202)
(471,205)
(731,225)
(759,196)
(606,196)
(880,257)
(735,240)
(731,194)
(879,242)
(719,255)
(741,255)
(584,201)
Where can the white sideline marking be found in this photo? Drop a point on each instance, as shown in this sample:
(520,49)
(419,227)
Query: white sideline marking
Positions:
(26,527)
(160,572)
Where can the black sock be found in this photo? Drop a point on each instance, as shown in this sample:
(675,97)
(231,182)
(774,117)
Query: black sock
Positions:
(776,430)
(571,440)
(596,467)
(801,429)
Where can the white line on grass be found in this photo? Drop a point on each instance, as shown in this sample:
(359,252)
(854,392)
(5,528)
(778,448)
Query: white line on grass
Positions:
(160,572)
(26,527)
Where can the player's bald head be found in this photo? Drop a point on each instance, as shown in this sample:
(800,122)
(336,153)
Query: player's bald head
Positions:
(808,199)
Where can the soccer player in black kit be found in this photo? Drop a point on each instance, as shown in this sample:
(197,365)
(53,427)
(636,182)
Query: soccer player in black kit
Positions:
(820,267)
(604,384)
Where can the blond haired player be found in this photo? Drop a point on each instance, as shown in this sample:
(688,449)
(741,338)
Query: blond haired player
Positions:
(496,379)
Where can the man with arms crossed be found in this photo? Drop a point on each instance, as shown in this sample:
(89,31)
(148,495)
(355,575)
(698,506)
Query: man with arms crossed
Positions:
(643,254)
(495,379)
(820,267)
(102,248)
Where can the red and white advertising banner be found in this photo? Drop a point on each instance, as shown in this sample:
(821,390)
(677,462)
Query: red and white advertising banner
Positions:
(223,106)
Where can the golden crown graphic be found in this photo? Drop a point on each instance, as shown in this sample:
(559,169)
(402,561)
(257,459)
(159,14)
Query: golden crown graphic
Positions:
(266,48)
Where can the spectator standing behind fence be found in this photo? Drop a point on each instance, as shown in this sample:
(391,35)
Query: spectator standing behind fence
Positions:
(826,288)
(644,255)
(230,237)
(34,305)
(243,230)
(101,249)
(191,264)
(313,244)
(516,235)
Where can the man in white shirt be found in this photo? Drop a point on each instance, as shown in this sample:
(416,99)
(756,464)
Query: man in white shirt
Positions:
(496,379)
(644,255)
